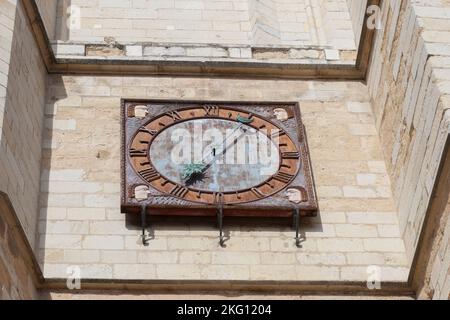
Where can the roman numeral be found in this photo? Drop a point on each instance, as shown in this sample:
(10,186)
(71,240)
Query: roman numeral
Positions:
(174,115)
(270,185)
(283,177)
(138,153)
(149,131)
(258,193)
(290,155)
(179,191)
(150,174)
(211,110)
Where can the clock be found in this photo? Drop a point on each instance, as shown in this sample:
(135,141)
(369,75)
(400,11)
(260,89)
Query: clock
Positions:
(194,158)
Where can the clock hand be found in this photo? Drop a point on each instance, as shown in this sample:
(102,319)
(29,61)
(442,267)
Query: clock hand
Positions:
(191,169)
(242,121)
(208,165)
(205,158)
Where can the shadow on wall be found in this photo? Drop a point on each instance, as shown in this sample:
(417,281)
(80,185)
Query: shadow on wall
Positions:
(48,143)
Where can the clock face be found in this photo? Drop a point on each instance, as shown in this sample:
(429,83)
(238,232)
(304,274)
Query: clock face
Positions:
(214,155)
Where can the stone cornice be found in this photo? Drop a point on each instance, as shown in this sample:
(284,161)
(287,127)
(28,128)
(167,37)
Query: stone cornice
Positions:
(246,65)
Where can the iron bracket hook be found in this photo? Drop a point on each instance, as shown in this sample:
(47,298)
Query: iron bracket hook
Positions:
(296,225)
(220,225)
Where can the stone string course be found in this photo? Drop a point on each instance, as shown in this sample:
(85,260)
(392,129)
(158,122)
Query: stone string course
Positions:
(81,223)
(409,85)
(16,276)
(161,51)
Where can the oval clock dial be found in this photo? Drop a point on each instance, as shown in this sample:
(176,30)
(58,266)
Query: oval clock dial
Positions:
(251,157)
(214,155)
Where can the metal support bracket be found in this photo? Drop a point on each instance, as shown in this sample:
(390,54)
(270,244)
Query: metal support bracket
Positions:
(144,224)
(220,225)
(296,225)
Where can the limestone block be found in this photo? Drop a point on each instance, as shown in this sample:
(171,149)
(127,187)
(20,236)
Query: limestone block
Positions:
(235,258)
(340,245)
(164,51)
(69,50)
(195,257)
(206,52)
(356,231)
(221,272)
(319,259)
(384,245)
(314,273)
(103,242)
(134,51)
(104,51)
(134,271)
(331,54)
(177,272)
(118,256)
(86,213)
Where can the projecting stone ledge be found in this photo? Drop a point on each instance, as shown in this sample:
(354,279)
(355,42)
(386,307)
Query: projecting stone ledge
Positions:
(110,49)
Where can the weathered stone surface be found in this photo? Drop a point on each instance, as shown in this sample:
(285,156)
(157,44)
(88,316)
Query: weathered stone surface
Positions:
(408,104)
(104,51)
(16,269)
(274,54)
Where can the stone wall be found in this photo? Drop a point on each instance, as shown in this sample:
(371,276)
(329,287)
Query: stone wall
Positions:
(81,223)
(18,279)
(22,118)
(238,22)
(440,271)
(437,275)
(409,85)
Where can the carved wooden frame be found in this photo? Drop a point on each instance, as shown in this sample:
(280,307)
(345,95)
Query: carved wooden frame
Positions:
(271,206)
